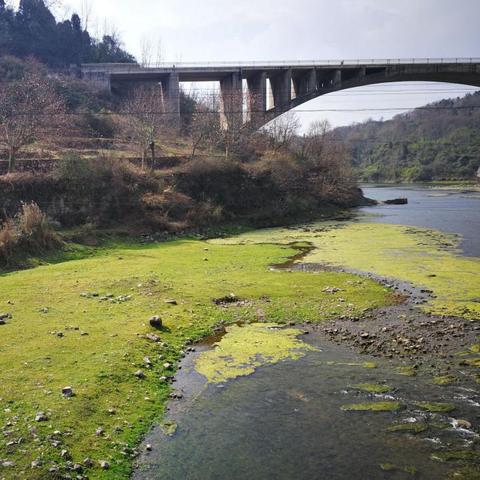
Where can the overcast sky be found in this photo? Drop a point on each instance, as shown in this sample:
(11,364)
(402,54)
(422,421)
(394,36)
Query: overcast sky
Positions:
(216,30)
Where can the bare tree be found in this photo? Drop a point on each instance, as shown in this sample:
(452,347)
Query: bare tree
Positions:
(315,142)
(86,13)
(30,110)
(146,51)
(144,119)
(205,127)
(234,130)
(283,130)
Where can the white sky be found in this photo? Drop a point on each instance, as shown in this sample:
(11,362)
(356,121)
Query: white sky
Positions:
(246,30)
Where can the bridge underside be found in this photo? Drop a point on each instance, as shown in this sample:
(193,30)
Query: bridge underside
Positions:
(258,94)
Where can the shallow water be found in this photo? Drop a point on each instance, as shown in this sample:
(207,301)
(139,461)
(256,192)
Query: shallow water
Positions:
(448,210)
(285,422)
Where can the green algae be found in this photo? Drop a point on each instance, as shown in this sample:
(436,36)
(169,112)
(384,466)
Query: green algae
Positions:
(456,456)
(372,407)
(411,427)
(354,364)
(473,362)
(475,348)
(425,258)
(443,380)
(372,387)
(245,348)
(169,428)
(406,371)
(435,407)
(465,473)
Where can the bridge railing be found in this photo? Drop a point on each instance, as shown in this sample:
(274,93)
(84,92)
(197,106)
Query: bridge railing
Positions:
(132,67)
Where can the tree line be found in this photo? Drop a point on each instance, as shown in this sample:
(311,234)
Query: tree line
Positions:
(440,142)
(32,31)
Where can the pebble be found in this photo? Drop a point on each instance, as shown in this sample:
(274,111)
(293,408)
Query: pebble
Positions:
(41,417)
(67,392)
(156,322)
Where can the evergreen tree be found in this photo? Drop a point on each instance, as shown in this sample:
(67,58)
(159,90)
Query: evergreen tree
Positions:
(33,31)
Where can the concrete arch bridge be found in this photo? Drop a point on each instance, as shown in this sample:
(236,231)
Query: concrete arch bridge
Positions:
(260,92)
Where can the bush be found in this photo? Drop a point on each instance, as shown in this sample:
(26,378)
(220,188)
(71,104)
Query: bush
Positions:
(29,232)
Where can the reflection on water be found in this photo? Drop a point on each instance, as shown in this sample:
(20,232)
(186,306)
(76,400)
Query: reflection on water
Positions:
(452,211)
(285,422)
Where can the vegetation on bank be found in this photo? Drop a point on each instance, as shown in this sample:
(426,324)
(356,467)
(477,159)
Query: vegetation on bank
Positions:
(424,258)
(441,142)
(29,232)
(84,324)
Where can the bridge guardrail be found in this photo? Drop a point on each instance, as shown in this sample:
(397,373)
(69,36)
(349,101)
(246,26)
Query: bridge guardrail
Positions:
(125,67)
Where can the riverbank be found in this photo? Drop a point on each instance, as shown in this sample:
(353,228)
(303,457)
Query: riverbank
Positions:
(84,324)
(82,321)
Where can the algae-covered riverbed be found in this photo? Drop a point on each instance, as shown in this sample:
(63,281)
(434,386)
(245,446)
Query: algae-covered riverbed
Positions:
(267,400)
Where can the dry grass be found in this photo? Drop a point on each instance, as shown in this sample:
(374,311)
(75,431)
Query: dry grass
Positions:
(29,232)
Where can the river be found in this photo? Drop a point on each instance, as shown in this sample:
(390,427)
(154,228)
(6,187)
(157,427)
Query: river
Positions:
(442,208)
(287,421)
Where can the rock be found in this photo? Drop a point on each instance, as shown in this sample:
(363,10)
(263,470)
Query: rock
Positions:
(167,365)
(41,417)
(67,392)
(156,322)
(171,302)
(8,464)
(152,337)
(99,432)
(148,447)
(139,374)
(147,361)
(463,424)
(65,454)
(396,201)
(104,465)
(88,462)
(5,316)
(176,395)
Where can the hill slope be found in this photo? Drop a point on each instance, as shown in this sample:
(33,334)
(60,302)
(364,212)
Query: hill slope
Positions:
(439,143)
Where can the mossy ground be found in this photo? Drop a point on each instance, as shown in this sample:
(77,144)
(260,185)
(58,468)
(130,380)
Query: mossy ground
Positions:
(425,258)
(42,348)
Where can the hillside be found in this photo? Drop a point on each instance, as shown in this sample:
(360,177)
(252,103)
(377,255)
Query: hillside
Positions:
(438,143)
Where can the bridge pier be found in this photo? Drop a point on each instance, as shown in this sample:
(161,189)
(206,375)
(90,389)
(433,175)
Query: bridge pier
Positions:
(305,83)
(231,101)
(171,95)
(257,99)
(282,90)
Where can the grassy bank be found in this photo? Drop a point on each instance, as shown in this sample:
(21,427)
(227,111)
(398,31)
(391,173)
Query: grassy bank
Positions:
(422,257)
(83,323)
